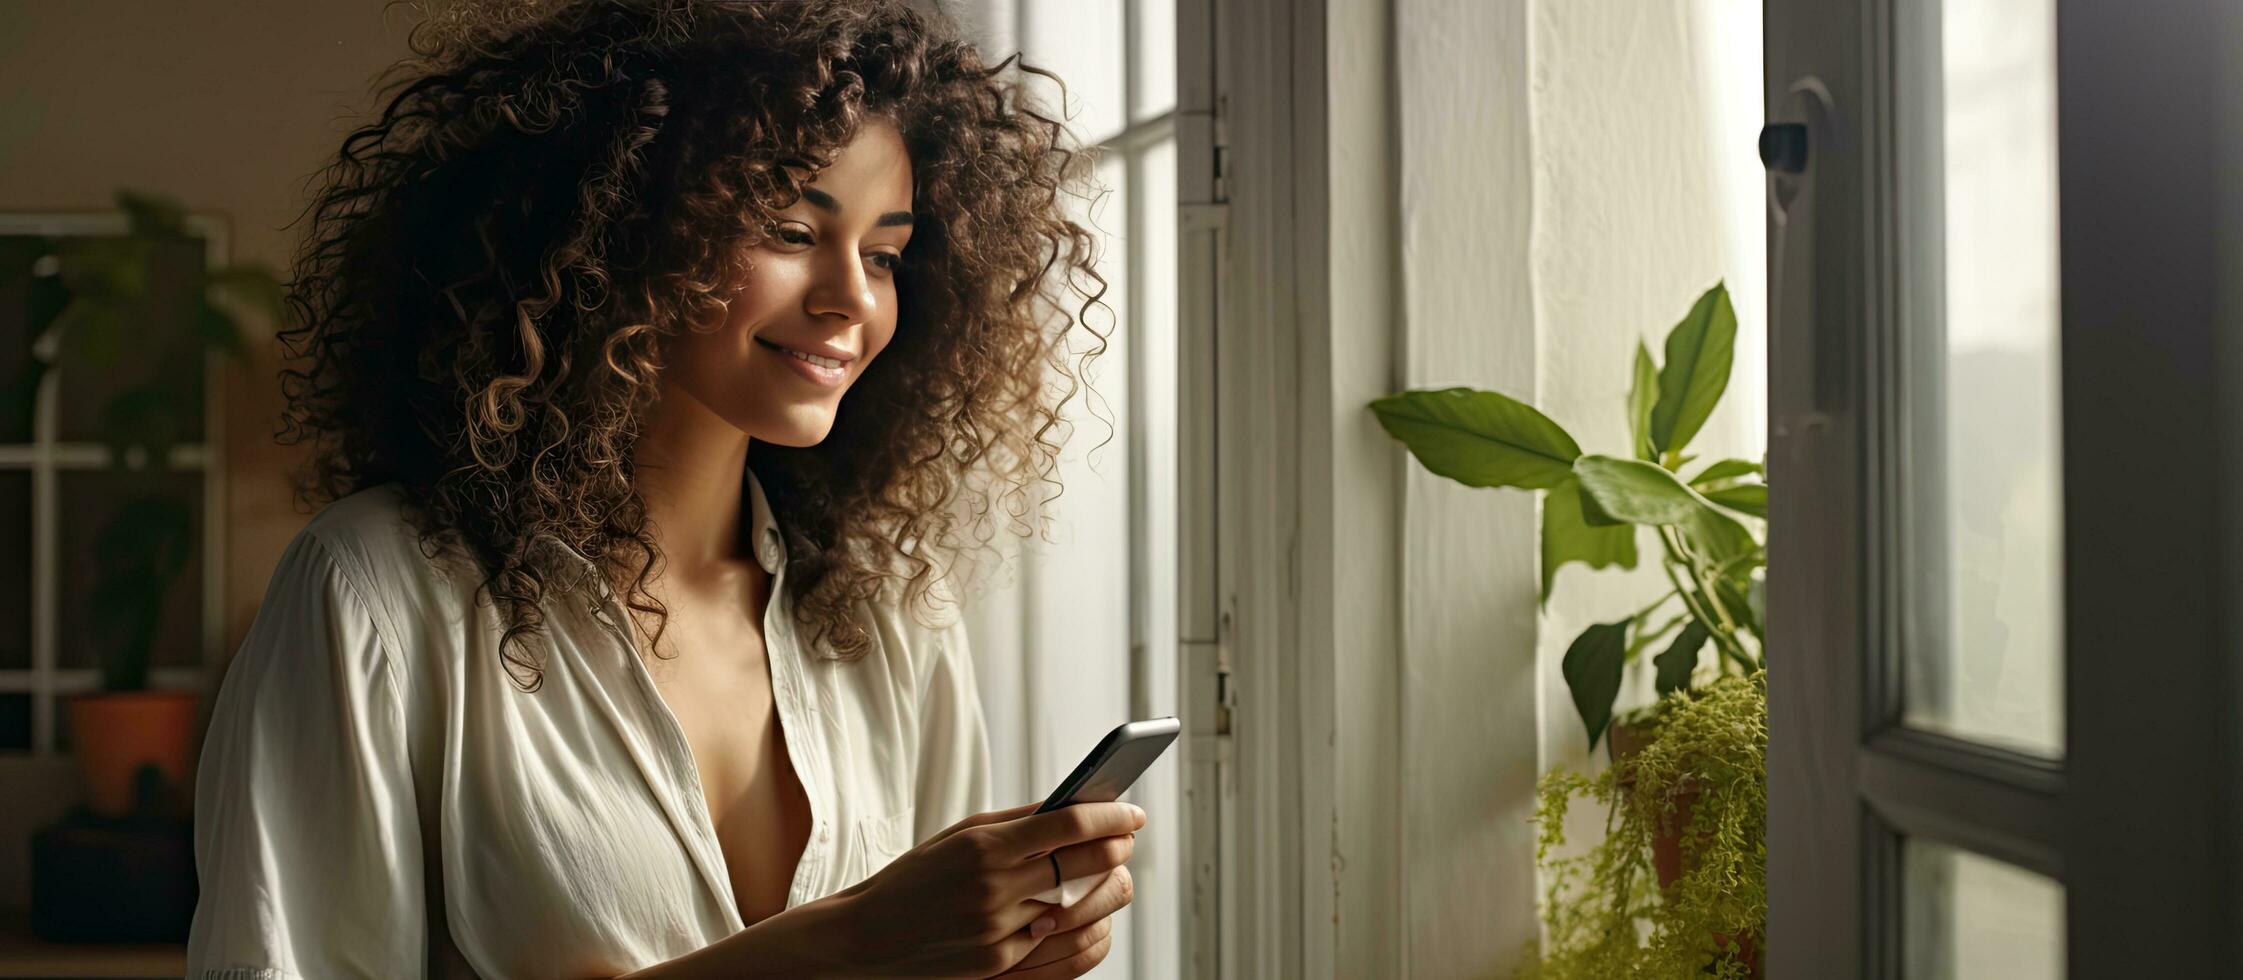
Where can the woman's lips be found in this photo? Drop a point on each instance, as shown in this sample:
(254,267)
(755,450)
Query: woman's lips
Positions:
(823,371)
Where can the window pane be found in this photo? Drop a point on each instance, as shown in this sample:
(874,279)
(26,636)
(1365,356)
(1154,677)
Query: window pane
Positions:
(24,297)
(1081,42)
(1154,60)
(1985,502)
(1969,917)
(1163,881)
(15,721)
(15,570)
(139,512)
(1077,577)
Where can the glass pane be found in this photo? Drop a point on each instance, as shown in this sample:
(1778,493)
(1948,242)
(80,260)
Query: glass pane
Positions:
(160,347)
(1969,917)
(1154,59)
(1158,908)
(1077,576)
(25,297)
(15,570)
(15,721)
(1985,502)
(1081,42)
(140,515)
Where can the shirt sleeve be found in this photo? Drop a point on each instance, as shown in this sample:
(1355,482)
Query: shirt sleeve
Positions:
(307,842)
(954,776)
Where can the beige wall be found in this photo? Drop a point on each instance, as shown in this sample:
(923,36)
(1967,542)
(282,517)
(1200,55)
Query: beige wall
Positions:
(227,105)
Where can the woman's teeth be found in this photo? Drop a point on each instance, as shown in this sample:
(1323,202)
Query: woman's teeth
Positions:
(824,362)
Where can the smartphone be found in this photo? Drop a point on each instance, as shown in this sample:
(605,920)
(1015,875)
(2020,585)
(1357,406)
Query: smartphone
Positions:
(1122,756)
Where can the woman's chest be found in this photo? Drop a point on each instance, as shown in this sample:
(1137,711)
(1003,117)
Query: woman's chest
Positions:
(715,677)
(612,810)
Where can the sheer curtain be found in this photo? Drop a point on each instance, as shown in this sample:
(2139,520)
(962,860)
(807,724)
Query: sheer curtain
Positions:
(1074,632)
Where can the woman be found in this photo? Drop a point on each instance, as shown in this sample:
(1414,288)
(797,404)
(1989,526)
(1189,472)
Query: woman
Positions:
(655,356)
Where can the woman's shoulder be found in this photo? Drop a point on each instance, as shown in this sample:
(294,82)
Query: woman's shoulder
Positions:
(369,535)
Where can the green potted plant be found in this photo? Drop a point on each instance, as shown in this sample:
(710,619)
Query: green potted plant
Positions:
(88,299)
(1685,794)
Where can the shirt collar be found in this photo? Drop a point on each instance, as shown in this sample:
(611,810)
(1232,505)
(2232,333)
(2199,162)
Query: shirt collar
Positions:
(763,531)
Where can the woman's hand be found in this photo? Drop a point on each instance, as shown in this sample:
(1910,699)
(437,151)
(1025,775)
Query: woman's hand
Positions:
(1084,933)
(958,904)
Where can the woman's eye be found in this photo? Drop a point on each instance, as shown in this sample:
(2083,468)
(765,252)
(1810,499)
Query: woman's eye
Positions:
(890,262)
(791,236)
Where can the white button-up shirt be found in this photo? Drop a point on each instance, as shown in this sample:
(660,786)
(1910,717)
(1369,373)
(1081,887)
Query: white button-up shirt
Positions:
(377,797)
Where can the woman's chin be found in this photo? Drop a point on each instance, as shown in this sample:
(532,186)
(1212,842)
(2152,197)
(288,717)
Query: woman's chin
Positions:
(800,426)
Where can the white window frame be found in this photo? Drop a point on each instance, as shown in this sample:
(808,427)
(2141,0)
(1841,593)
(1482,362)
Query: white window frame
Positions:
(1290,609)
(46,458)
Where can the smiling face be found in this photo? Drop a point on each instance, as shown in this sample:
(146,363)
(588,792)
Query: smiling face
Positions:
(817,304)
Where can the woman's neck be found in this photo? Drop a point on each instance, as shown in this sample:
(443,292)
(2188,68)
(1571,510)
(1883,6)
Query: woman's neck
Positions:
(690,467)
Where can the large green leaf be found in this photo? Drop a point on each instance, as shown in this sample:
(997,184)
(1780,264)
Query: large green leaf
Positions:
(1592,672)
(1749,498)
(1680,659)
(1700,351)
(1566,537)
(1642,395)
(1728,469)
(1643,493)
(1635,491)
(1718,536)
(1480,438)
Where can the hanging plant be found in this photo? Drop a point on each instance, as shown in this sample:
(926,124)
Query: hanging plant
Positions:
(1678,885)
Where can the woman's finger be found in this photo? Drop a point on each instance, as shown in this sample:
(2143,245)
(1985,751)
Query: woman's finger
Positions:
(1037,833)
(1035,876)
(1092,857)
(1111,896)
(1061,945)
(1073,966)
(981,819)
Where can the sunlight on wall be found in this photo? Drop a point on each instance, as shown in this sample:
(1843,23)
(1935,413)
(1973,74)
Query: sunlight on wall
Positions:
(1647,189)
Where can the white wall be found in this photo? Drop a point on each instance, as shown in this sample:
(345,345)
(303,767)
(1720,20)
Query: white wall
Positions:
(1646,191)
(1469,556)
(1572,174)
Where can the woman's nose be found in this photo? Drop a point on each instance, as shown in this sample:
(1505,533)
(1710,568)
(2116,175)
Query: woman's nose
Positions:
(841,288)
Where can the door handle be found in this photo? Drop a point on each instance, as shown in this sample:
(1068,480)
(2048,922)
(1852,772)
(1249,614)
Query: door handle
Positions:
(1799,134)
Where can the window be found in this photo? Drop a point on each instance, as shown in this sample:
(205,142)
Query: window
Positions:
(59,484)
(2001,708)
(1079,633)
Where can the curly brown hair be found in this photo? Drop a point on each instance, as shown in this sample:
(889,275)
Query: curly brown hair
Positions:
(552,189)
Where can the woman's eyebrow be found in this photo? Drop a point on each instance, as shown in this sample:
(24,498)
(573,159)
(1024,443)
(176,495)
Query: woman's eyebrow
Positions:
(826,201)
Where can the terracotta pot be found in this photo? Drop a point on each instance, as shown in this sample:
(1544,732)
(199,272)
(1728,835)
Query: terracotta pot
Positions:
(1622,741)
(115,734)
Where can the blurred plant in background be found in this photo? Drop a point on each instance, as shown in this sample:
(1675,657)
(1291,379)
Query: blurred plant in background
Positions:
(88,300)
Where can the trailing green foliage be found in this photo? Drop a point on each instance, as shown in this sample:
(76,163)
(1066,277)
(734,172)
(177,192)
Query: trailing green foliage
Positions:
(1702,781)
